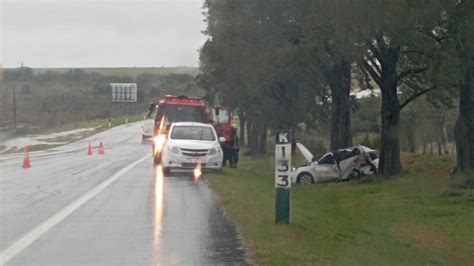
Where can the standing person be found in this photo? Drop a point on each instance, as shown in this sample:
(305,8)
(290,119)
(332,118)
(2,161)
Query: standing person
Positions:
(227,154)
(151,109)
(234,148)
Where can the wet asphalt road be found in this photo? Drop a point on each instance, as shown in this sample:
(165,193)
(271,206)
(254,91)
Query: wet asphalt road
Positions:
(73,209)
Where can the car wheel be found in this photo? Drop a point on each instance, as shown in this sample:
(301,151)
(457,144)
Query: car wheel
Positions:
(305,179)
(355,174)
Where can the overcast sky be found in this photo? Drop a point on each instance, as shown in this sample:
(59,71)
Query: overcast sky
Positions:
(101,33)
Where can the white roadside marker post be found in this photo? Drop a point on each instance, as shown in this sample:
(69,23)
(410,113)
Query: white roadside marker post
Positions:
(282,177)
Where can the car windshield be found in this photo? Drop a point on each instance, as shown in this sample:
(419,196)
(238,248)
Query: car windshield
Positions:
(328,159)
(181,113)
(193,133)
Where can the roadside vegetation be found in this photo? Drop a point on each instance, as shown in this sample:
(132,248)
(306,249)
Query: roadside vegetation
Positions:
(55,98)
(95,123)
(416,219)
(133,72)
(283,64)
(396,76)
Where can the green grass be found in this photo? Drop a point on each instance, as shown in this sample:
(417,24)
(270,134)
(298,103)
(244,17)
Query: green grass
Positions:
(416,219)
(115,121)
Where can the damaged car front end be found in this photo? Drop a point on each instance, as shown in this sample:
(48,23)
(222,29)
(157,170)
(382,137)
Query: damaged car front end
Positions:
(340,165)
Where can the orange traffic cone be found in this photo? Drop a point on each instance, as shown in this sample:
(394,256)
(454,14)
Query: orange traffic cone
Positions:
(89,149)
(26,159)
(101,149)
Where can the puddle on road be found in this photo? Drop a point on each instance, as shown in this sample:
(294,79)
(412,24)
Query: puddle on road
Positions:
(158,206)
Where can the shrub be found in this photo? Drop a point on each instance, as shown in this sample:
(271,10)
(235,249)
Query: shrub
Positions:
(463,181)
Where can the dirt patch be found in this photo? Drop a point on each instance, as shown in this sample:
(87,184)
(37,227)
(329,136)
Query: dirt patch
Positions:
(432,238)
(358,207)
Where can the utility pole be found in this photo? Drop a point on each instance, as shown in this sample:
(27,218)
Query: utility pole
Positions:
(14,96)
(14,108)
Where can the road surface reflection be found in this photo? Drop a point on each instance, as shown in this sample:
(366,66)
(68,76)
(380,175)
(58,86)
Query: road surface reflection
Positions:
(158,206)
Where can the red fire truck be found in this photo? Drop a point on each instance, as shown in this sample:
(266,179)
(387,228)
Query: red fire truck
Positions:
(222,120)
(187,109)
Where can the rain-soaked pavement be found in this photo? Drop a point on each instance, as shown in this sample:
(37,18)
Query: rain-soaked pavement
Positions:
(140,217)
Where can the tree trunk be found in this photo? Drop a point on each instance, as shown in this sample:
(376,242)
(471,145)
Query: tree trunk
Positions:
(252,134)
(445,139)
(390,164)
(242,123)
(440,151)
(464,130)
(262,141)
(442,138)
(411,139)
(339,80)
(390,143)
(249,134)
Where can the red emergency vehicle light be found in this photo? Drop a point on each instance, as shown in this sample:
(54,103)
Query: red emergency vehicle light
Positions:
(183,100)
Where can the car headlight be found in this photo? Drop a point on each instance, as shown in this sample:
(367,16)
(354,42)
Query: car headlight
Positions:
(293,169)
(174,149)
(213,151)
(159,142)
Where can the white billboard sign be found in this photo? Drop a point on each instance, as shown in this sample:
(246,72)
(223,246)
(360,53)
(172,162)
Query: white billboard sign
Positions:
(124,92)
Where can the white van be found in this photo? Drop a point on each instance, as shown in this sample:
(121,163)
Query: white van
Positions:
(190,145)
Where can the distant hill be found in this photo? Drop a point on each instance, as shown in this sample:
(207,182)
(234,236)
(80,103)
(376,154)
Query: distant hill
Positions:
(129,71)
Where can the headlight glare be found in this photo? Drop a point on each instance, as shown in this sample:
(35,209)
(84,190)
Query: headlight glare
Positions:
(159,142)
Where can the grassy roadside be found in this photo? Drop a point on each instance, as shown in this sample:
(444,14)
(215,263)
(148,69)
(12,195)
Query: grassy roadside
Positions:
(98,125)
(115,121)
(413,220)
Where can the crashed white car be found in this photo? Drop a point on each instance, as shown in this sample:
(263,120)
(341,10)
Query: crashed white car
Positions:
(343,164)
(190,145)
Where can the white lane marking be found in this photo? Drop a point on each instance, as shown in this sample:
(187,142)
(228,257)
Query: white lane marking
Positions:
(19,245)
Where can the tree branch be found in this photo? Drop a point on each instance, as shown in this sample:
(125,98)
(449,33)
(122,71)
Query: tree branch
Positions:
(381,46)
(412,71)
(375,51)
(416,95)
(412,51)
(376,66)
(431,34)
(373,73)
